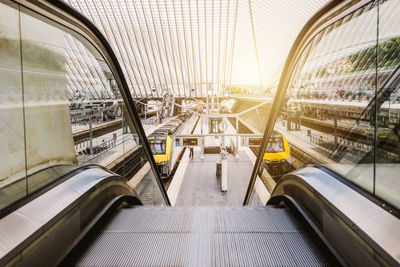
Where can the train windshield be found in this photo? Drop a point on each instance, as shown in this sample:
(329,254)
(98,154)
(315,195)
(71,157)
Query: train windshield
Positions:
(157,146)
(275,145)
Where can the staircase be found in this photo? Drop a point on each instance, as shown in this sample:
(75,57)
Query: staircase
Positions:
(201,236)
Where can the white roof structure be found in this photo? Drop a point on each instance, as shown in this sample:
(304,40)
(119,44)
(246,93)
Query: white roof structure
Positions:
(196,47)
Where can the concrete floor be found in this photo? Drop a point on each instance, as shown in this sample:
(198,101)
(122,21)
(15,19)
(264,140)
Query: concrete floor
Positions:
(201,186)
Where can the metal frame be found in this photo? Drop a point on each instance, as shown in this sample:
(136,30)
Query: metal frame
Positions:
(212,51)
(233,47)
(125,47)
(159,51)
(165,47)
(140,54)
(152,48)
(255,43)
(146,52)
(186,49)
(199,49)
(219,50)
(179,45)
(194,64)
(226,48)
(205,46)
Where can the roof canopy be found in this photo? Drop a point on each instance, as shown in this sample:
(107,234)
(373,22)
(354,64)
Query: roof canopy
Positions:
(197,47)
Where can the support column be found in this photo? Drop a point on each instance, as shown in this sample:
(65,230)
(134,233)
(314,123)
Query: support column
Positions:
(335,127)
(224,173)
(201,124)
(237,139)
(207,108)
(90,135)
(202,149)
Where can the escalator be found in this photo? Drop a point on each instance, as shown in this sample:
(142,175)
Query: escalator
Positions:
(94,217)
(200,236)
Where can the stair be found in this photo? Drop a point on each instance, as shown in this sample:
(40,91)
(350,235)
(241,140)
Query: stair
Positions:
(201,236)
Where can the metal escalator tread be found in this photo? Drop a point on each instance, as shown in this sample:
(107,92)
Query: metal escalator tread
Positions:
(202,236)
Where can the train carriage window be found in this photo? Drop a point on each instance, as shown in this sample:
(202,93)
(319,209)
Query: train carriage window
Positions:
(157,147)
(275,145)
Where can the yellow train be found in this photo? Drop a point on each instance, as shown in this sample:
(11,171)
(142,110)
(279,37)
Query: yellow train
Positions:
(162,144)
(277,158)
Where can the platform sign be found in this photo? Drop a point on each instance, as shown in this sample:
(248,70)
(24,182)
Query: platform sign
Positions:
(190,141)
(255,141)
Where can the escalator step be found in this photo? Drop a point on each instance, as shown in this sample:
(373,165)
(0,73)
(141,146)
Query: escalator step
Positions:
(202,236)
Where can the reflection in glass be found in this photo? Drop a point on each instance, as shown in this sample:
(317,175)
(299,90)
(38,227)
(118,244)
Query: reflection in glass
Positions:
(12,156)
(340,110)
(49,140)
(328,92)
(387,125)
(63,111)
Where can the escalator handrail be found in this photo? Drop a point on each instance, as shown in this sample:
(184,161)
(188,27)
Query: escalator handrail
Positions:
(357,228)
(30,229)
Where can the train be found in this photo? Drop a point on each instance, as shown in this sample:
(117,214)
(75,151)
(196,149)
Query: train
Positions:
(94,111)
(388,113)
(79,115)
(162,144)
(277,159)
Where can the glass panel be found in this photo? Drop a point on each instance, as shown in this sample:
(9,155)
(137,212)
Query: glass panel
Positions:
(49,141)
(69,107)
(142,178)
(324,118)
(12,145)
(387,141)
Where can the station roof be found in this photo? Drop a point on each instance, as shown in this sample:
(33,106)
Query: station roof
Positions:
(196,47)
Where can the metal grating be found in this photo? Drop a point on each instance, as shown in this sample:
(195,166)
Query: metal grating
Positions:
(202,236)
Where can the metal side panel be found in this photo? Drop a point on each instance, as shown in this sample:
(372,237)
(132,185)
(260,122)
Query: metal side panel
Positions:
(358,230)
(53,222)
(201,236)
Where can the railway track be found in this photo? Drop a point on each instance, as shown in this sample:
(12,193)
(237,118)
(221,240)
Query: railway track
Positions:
(103,129)
(98,131)
(130,163)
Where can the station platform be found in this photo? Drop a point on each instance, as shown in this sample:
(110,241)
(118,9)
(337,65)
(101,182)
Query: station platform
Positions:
(201,186)
(361,174)
(125,143)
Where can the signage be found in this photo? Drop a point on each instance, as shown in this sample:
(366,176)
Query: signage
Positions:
(255,141)
(190,141)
